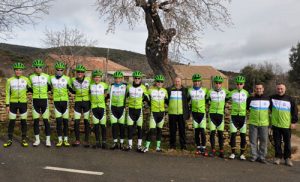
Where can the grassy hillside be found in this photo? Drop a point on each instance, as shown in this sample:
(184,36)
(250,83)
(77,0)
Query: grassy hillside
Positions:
(11,53)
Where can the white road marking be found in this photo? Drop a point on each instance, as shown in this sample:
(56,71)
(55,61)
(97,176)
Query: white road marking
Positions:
(73,170)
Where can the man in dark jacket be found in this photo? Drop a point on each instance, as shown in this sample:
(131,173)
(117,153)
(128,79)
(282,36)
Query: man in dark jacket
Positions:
(178,112)
(284,117)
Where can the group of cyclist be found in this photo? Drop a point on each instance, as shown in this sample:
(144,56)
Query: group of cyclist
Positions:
(92,95)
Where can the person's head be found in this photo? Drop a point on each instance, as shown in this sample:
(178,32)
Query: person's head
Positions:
(118,77)
(159,80)
(38,66)
(137,77)
(59,68)
(178,82)
(280,89)
(97,76)
(259,89)
(80,70)
(197,80)
(240,82)
(18,68)
(218,80)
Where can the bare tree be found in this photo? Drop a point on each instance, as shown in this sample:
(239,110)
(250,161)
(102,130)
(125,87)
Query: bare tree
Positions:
(68,41)
(16,13)
(177,24)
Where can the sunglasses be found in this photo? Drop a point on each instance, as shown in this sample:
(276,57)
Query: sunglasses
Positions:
(218,82)
(59,70)
(137,78)
(80,71)
(159,81)
(39,67)
(239,84)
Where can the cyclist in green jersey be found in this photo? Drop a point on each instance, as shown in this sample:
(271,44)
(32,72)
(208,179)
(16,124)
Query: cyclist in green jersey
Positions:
(16,100)
(197,95)
(136,94)
(238,116)
(217,98)
(117,94)
(98,91)
(40,87)
(158,97)
(61,86)
(81,86)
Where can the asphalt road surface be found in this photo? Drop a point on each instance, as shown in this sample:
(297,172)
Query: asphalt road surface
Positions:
(28,164)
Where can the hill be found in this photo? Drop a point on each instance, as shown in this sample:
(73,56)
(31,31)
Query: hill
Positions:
(11,53)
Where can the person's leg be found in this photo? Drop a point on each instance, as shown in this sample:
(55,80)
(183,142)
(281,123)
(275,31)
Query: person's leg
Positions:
(277,136)
(86,113)
(181,127)
(263,141)
(77,115)
(172,130)
(286,133)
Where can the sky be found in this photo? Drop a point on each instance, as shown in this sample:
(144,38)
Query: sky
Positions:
(262,31)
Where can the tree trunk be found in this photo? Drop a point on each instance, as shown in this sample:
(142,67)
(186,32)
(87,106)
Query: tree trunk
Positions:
(157,45)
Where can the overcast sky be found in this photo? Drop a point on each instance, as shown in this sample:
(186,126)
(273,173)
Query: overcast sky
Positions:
(263,30)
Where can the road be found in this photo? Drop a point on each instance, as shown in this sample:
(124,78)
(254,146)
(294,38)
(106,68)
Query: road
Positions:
(27,164)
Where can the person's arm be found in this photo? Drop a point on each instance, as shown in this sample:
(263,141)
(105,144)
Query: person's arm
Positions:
(294,113)
(248,103)
(70,87)
(29,85)
(7,95)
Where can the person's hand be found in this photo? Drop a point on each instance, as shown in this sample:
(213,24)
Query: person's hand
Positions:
(7,109)
(293,126)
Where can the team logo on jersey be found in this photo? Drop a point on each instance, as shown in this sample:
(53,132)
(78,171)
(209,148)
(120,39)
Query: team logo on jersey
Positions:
(284,104)
(85,82)
(139,89)
(243,95)
(63,80)
(42,78)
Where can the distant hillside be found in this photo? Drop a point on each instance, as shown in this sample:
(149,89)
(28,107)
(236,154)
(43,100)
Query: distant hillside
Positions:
(12,53)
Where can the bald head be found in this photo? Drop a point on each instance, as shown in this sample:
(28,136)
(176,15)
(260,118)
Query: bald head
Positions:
(177,82)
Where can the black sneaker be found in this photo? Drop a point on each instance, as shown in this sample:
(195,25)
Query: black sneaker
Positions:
(97,145)
(114,146)
(86,144)
(183,147)
(103,145)
(122,147)
(139,149)
(128,148)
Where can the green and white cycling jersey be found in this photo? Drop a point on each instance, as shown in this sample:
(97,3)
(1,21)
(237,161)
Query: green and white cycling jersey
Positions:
(198,97)
(98,92)
(239,102)
(39,85)
(217,100)
(157,99)
(117,95)
(82,89)
(136,96)
(60,88)
(16,90)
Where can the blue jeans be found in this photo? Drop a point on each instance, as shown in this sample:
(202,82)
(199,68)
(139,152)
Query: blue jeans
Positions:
(258,141)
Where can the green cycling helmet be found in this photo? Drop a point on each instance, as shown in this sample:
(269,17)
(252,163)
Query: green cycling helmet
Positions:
(159,78)
(38,63)
(18,65)
(97,73)
(59,65)
(137,74)
(196,77)
(218,79)
(80,67)
(118,74)
(240,79)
